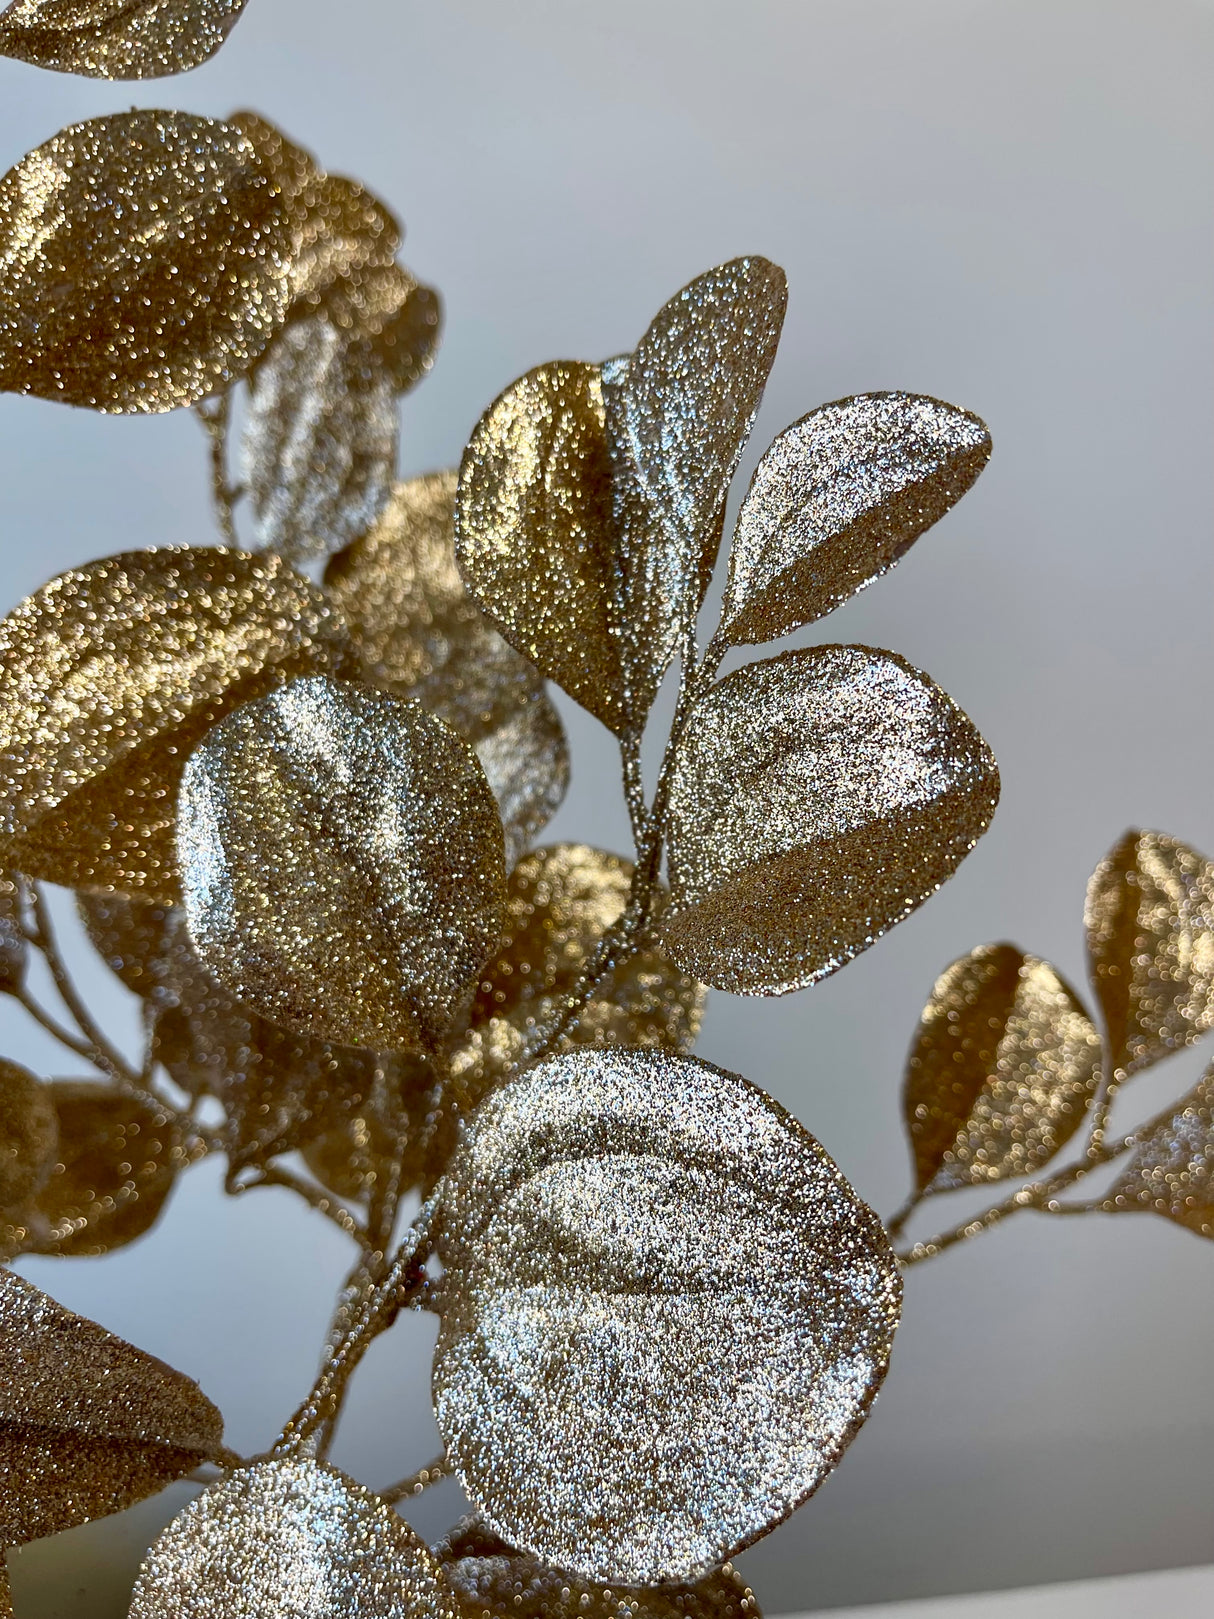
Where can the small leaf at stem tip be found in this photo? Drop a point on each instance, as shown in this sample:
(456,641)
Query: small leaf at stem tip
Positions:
(370,924)
(88,1424)
(117,39)
(664,1316)
(818,798)
(836,501)
(289,1537)
(1150,928)
(1004,1066)
(29,1137)
(1172,1171)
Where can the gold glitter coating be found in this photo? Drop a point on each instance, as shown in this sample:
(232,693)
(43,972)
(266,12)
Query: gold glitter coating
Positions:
(110,674)
(29,1137)
(421,635)
(491,1579)
(1003,1068)
(817,799)
(836,501)
(1172,1172)
(132,937)
(13,947)
(88,1425)
(144,262)
(630,1240)
(370,924)
(117,39)
(1150,929)
(291,1538)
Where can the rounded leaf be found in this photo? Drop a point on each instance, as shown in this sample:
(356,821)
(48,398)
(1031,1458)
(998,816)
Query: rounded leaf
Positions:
(838,498)
(293,1538)
(117,39)
(132,937)
(1004,1066)
(1172,1172)
(818,798)
(29,1136)
(94,312)
(664,1315)
(368,923)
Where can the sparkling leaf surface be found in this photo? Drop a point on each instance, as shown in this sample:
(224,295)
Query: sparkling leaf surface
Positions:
(1150,927)
(1172,1172)
(1004,1066)
(88,1425)
(630,1239)
(132,937)
(111,674)
(95,312)
(292,1538)
(29,1136)
(117,39)
(838,499)
(371,922)
(818,798)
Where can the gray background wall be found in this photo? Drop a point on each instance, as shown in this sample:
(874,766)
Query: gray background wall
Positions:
(1002,202)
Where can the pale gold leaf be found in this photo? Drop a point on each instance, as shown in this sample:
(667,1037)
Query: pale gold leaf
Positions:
(110,674)
(131,937)
(88,1425)
(370,923)
(1172,1172)
(13,946)
(838,499)
(1150,929)
(1004,1066)
(117,39)
(93,313)
(818,798)
(29,1136)
(291,1538)
(631,1242)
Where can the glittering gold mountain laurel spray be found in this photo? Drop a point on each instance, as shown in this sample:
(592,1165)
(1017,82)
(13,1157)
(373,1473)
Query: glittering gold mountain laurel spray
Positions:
(299,812)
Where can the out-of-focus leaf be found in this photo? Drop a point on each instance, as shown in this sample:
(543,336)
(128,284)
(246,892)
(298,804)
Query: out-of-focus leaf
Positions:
(132,937)
(1150,927)
(421,635)
(1172,1172)
(88,1425)
(289,1537)
(13,948)
(817,799)
(111,674)
(29,1136)
(838,499)
(488,1576)
(117,39)
(634,1245)
(355,1157)
(95,313)
(1004,1066)
(370,923)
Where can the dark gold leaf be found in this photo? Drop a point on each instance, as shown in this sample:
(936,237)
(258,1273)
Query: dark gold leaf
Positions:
(288,1537)
(95,313)
(838,499)
(1005,1065)
(110,674)
(1150,927)
(818,798)
(29,1136)
(88,1425)
(371,922)
(117,39)
(131,937)
(13,947)
(1172,1172)
(634,1244)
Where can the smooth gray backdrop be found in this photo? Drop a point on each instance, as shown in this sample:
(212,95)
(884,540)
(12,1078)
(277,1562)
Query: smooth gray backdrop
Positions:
(1005,203)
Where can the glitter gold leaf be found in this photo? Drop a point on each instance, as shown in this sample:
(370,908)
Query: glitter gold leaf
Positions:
(88,1425)
(1172,1172)
(110,674)
(1150,927)
(131,937)
(13,946)
(29,1137)
(818,798)
(357,1155)
(117,39)
(370,923)
(421,635)
(1003,1068)
(630,1238)
(289,1537)
(838,499)
(144,262)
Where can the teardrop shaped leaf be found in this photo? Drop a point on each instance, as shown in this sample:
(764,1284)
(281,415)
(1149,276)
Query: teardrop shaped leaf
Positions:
(838,499)
(111,674)
(29,1136)
(95,313)
(88,1425)
(131,937)
(1003,1068)
(370,923)
(117,39)
(817,799)
(1172,1172)
(1150,927)
(664,1314)
(13,947)
(288,1537)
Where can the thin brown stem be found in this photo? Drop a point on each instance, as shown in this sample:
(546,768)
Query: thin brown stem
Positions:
(313,1196)
(896,1223)
(105,1055)
(634,786)
(215,414)
(439,1468)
